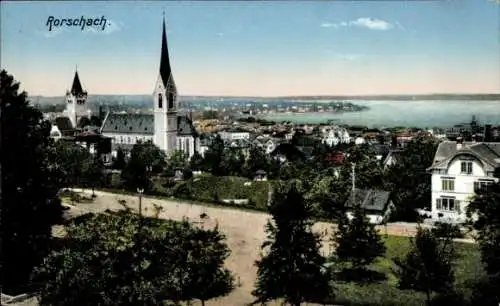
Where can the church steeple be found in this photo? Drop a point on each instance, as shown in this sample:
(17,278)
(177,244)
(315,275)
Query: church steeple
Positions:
(165,69)
(76,88)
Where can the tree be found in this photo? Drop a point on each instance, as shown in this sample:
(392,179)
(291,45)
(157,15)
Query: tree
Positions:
(73,160)
(484,216)
(146,159)
(119,162)
(207,276)
(95,173)
(122,259)
(409,179)
(213,156)
(30,184)
(357,241)
(233,161)
(428,265)
(196,162)
(176,160)
(292,267)
(257,160)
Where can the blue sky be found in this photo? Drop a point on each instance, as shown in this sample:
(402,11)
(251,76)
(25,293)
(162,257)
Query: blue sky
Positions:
(258,48)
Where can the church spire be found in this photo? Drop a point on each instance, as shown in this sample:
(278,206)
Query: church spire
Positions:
(165,70)
(76,88)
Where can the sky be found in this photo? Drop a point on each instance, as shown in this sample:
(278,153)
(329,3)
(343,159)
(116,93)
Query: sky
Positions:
(254,48)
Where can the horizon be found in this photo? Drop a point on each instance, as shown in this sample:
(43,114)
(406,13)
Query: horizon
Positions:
(258,49)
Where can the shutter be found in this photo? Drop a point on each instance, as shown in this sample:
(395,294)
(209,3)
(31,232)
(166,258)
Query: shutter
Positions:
(439,204)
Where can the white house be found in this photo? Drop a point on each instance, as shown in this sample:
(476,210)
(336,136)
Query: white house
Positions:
(234,134)
(166,127)
(458,169)
(335,135)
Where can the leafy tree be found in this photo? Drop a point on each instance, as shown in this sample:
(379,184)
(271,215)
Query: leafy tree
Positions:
(30,184)
(356,241)
(196,162)
(257,160)
(176,160)
(146,160)
(233,162)
(95,121)
(212,160)
(484,217)
(428,265)
(73,160)
(409,178)
(119,162)
(292,266)
(95,173)
(122,259)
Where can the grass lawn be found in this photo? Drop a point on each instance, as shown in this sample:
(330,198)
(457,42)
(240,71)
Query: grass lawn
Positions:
(211,188)
(385,293)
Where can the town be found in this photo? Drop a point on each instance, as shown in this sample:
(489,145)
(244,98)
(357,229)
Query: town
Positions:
(211,201)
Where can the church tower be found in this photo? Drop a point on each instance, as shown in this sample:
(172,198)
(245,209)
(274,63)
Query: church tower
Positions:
(76,102)
(166,103)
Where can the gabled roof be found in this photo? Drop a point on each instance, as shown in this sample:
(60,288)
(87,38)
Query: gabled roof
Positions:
(129,124)
(76,88)
(369,199)
(488,152)
(185,127)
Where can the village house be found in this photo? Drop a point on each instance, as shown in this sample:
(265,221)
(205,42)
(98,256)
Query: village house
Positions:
(458,170)
(377,204)
(334,135)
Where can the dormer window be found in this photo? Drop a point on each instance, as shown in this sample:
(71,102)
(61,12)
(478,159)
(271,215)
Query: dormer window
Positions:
(160,101)
(466,167)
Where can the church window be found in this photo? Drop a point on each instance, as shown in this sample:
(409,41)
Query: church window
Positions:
(170,100)
(129,140)
(160,101)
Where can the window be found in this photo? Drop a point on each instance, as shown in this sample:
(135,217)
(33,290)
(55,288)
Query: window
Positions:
(482,184)
(160,101)
(448,204)
(448,184)
(129,140)
(466,167)
(170,100)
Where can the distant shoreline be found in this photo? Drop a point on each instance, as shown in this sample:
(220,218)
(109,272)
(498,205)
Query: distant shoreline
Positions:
(426,97)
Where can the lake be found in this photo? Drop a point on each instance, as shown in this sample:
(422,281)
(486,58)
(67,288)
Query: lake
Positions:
(422,114)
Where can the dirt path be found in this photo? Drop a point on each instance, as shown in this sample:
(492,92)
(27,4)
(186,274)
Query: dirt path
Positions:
(244,231)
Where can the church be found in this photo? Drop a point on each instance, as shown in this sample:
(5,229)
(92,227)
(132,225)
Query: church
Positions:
(167,127)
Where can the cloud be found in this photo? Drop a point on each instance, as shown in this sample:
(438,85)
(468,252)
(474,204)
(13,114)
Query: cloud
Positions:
(220,34)
(365,22)
(372,24)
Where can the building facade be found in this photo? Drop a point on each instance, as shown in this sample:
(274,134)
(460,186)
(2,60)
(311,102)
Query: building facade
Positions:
(166,127)
(458,170)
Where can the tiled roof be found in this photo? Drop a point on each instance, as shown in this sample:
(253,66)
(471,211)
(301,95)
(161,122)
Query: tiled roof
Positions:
(144,124)
(489,152)
(370,199)
(129,124)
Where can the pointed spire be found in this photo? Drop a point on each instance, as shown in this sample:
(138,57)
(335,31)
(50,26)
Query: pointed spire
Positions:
(76,88)
(165,70)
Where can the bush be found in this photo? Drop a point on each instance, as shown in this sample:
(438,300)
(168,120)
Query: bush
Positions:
(443,229)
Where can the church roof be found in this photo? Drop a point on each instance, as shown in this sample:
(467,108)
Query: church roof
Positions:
(129,124)
(165,69)
(76,88)
(185,127)
(144,124)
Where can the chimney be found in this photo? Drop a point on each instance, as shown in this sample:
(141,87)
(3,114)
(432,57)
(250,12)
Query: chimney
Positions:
(488,135)
(460,142)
